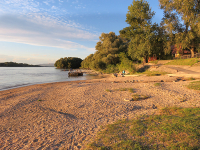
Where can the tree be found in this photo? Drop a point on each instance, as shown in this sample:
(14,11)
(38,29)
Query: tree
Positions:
(181,22)
(68,62)
(140,33)
(86,63)
(107,52)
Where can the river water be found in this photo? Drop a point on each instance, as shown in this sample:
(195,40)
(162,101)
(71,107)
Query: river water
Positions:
(13,77)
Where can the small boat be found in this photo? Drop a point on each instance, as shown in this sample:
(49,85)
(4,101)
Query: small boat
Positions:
(75,74)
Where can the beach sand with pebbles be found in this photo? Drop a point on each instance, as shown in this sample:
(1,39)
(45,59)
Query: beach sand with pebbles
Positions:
(68,115)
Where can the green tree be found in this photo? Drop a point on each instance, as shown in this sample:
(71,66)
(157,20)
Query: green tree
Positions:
(68,62)
(86,63)
(140,32)
(181,22)
(107,52)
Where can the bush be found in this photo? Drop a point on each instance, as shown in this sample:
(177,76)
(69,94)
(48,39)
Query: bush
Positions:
(111,69)
(126,64)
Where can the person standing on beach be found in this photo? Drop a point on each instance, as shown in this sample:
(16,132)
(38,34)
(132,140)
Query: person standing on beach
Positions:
(123,72)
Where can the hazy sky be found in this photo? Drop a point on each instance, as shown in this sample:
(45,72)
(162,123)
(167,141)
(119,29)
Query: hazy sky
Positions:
(42,31)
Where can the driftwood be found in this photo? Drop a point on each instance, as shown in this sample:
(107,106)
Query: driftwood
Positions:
(75,74)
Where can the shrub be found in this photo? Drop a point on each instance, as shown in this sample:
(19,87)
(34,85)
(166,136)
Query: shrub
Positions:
(111,69)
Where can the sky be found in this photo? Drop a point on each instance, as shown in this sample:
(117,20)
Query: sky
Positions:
(43,31)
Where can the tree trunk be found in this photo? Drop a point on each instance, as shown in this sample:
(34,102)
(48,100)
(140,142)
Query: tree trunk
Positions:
(192,49)
(144,61)
(192,52)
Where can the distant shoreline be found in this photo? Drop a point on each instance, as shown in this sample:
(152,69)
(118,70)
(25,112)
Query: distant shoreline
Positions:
(14,64)
(26,66)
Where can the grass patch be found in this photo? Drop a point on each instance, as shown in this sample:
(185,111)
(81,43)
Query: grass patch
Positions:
(187,62)
(157,84)
(123,89)
(107,90)
(173,128)
(131,90)
(194,85)
(39,100)
(154,62)
(137,97)
(191,78)
(154,73)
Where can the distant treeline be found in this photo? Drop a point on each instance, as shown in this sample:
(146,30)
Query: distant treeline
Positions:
(14,64)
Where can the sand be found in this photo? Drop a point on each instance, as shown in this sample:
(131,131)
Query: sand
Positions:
(68,115)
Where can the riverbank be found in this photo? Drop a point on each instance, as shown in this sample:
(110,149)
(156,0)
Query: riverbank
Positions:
(69,114)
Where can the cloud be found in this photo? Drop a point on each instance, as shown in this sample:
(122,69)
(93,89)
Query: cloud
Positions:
(46,2)
(19,6)
(54,7)
(42,31)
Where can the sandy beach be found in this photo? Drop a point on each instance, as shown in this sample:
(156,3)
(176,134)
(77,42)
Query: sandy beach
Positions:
(67,115)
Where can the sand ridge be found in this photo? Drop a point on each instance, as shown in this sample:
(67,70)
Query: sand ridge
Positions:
(69,114)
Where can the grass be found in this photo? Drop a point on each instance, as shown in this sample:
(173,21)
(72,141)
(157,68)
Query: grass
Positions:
(131,90)
(137,97)
(154,73)
(39,100)
(107,90)
(194,85)
(188,62)
(191,78)
(173,128)
(157,84)
(154,62)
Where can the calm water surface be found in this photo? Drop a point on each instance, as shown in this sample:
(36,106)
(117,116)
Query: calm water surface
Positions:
(13,77)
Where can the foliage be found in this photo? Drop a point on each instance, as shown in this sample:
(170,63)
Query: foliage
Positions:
(181,21)
(190,62)
(111,69)
(126,64)
(68,62)
(14,64)
(173,128)
(107,54)
(194,85)
(142,39)
(145,39)
(86,63)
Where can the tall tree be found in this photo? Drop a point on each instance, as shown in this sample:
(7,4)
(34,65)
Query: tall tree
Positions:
(140,30)
(107,52)
(181,22)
